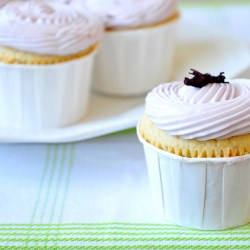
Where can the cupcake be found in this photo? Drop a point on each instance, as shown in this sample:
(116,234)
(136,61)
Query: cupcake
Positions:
(137,47)
(46,55)
(196,136)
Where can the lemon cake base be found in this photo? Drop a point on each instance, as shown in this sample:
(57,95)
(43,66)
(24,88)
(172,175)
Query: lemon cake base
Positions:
(234,146)
(12,56)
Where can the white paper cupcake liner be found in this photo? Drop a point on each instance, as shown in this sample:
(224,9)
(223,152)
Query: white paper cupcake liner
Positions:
(205,193)
(44,96)
(132,62)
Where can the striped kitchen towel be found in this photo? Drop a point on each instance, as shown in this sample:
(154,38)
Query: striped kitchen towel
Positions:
(119,236)
(57,196)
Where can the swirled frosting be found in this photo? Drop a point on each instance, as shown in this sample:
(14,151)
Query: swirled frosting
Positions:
(216,111)
(47,27)
(132,13)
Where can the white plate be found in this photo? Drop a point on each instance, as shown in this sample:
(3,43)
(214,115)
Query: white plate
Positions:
(198,47)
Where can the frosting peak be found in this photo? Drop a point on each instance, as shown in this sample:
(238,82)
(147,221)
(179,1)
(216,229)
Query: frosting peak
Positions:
(216,111)
(47,27)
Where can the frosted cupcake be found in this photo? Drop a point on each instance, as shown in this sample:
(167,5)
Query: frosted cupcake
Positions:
(196,136)
(137,47)
(46,54)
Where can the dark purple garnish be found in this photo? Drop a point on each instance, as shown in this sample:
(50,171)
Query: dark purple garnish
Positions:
(200,80)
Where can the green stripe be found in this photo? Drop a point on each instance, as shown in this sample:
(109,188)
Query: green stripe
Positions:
(45,170)
(37,202)
(120,231)
(141,246)
(70,167)
(121,239)
(83,227)
(101,233)
(53,170)
(59,180)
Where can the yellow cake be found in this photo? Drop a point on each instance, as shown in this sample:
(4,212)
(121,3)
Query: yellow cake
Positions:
(13,56)
(233,146)
(207,121)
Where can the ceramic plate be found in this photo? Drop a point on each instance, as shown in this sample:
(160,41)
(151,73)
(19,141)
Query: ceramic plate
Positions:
(198,47)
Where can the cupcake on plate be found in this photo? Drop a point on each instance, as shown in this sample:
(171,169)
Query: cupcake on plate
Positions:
(138,45)
(196,136)
(46,55)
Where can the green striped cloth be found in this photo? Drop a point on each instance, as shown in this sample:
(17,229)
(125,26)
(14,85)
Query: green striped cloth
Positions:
(55,212)
(119,236)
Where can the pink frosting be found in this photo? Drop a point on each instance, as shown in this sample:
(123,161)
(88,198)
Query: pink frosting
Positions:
(216,111)
(47,27)
(131,13)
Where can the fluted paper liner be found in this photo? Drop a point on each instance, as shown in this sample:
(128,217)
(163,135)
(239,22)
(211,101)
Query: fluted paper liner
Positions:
(132,62)
(44,96)
(204,193)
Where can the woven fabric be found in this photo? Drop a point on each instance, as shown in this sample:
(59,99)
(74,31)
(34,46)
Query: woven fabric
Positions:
(120,236)
(53,200)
